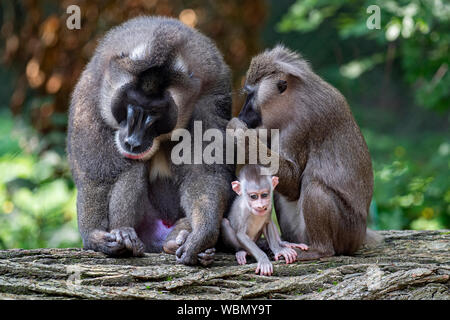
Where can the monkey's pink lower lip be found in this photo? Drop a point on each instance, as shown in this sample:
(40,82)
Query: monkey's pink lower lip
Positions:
(137,156)
(260,212)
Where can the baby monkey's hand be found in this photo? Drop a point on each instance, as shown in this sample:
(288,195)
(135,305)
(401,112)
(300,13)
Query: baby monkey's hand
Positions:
(301,246)
(289,255)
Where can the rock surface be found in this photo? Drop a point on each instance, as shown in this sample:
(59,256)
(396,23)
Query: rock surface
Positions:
(408,265)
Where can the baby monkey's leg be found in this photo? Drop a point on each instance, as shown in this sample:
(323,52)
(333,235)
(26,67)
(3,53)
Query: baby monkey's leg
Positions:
(229,235)
(231,241)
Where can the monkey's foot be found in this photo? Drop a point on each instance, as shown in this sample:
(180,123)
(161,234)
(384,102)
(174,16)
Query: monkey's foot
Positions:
(289,254)
(172,246)
(301,246)
(204,258)
(240,257)
(126,241)
(186,256)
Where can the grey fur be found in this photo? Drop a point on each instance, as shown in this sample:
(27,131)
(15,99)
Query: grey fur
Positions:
(113,191)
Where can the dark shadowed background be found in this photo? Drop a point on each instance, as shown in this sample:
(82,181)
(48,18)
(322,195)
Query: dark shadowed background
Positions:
(395,78)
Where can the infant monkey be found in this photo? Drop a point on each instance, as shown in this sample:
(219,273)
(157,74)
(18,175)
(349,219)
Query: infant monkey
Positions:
(250,216)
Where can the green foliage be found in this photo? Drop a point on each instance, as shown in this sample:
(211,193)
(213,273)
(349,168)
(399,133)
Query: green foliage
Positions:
(412,189)
(37,195)
(395,79)
(413,32)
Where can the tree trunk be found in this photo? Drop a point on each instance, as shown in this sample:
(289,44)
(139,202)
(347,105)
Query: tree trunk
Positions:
(408,265)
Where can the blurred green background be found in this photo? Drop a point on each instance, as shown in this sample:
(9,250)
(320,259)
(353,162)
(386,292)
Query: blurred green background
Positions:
(395,78)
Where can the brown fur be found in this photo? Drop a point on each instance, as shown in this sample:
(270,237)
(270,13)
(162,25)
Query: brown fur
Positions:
(325,171)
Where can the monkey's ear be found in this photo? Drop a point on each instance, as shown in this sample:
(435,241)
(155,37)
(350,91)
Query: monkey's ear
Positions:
(274,181)
(236,186)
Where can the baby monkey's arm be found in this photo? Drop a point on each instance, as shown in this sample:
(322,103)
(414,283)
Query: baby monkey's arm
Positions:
(264,267)
(278,247)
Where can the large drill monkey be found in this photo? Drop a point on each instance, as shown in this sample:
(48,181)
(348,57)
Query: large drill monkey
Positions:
(325,169)
(148,77)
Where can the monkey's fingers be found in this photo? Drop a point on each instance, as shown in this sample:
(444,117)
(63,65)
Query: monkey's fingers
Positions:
(292,255)
(301,246)
(264,269)
(128,237)
(241,257)
(110,246)
(186,256)
(289,255)
(206,258)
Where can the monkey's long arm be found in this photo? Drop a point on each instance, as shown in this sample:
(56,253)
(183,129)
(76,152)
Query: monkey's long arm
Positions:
(264,265)
(229,235)
(92,207)
(204,189)
(204,201)
(107,214)
(273,237)
(250,246)
(288,171)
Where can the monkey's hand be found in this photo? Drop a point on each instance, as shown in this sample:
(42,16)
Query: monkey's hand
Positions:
(240,257)
(125,239)
(118,242)
(264,267)
(235,124)
(289,254)
(301,246)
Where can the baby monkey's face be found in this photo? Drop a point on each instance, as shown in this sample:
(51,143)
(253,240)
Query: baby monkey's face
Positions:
(259,201)
(256,193)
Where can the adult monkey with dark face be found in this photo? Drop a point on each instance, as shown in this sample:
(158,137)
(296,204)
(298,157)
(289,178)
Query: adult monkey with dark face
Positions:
(148,77)
(325,170)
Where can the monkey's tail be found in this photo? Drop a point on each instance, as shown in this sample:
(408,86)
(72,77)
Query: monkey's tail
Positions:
(373,238)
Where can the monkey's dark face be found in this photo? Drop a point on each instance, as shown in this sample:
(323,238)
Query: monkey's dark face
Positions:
(258,96)
(249,113)
(144,111)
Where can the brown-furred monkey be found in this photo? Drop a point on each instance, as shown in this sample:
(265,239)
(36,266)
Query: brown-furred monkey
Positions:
(325,170)
(250,217)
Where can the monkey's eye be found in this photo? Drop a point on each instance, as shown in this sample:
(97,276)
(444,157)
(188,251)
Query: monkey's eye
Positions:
(282,85)
(254,196)
(264,195)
